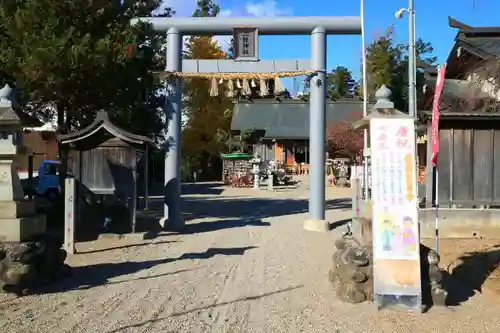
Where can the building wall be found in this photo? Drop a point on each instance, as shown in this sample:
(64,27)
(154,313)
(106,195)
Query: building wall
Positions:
(467,164)
(43,145)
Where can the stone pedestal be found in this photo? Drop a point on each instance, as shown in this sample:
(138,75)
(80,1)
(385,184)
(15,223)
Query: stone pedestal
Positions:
(316,225)
(18,221)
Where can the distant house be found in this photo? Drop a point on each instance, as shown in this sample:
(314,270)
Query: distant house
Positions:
(285,125)
(40,139)
(469,128)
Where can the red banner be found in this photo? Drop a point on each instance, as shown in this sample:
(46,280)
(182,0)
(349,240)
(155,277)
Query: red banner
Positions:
(435,113)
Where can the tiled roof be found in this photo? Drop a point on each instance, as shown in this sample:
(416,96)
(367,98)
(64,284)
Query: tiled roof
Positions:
(481,41)
(289,119)
(488,46)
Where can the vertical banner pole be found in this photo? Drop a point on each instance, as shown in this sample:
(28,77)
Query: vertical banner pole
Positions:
(365,99)
(437,210)
(435,143)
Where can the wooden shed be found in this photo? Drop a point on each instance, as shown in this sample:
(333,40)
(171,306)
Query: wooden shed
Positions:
(469,124)
(103,160)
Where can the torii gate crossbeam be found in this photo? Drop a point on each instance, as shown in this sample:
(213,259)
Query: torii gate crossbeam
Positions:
(317,27)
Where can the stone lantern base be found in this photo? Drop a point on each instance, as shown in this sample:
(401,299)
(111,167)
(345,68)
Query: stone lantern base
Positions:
(29,256)
(18,221)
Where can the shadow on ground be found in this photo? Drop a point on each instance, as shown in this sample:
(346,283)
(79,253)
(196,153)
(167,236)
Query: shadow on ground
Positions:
(231,212)
(202,188)
(227,207)
(339,223)
(227,212)
(469,275)
(86,277)
(122,247)
(208,307)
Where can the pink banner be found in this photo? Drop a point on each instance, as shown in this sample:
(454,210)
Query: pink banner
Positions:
(435,113)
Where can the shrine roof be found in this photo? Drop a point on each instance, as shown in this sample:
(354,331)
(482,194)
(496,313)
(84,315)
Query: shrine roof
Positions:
(289,119)
(103,132)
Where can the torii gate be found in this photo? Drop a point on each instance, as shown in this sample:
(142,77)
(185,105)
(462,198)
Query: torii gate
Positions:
(246,31)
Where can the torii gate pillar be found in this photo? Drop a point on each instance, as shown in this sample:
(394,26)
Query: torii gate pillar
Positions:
(172,217)
(317,27)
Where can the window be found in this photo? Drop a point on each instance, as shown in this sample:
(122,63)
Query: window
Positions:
(51,169)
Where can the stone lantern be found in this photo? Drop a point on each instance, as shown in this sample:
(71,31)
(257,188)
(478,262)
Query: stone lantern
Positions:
(256,163)
(10,144)
(18,221)
(383,108)
(28,256)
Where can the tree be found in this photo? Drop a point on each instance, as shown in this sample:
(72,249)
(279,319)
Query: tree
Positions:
(81,56)
(341,84)
(380,63)
(344,140)
(73,58)
(208,118)
(387,63)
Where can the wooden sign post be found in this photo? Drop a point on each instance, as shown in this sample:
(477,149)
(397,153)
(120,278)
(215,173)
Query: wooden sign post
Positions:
(69,216)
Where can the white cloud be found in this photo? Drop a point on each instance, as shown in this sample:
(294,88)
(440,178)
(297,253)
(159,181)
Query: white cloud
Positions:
(266,8)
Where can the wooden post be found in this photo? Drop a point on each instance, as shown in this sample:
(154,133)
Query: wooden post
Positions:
(146,179)
(69,213)
(133,201)
(31,185)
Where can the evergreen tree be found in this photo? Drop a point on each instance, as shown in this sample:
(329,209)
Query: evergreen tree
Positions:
(82,56)
(341,84)
(387,63)
(74,58)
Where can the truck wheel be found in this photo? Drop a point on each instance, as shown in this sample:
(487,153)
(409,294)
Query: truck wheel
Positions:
(51,195)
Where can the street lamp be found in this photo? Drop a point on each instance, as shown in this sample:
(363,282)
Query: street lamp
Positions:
(412,68)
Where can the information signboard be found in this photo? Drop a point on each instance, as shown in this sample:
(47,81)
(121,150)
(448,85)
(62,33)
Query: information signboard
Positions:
(396,240)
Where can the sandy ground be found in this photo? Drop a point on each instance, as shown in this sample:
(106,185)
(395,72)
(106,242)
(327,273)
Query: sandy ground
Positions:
(245,265)
(473,261)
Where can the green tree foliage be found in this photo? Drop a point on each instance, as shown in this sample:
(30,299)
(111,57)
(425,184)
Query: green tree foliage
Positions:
(76,57)
(206,130)
(387,63)
(81,56)
(340,84)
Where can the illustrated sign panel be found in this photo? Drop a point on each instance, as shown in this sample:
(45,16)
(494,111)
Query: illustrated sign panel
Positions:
(396,240)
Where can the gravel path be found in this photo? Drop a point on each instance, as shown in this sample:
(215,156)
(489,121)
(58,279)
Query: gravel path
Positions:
(245,266)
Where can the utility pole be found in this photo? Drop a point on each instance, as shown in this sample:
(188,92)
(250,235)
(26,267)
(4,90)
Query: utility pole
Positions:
(412,68)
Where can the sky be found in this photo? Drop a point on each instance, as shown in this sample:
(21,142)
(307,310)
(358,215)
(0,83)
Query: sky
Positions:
(431,24)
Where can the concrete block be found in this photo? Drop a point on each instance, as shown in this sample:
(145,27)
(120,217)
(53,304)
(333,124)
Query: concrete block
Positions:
(316,225)
(13,209)
(21,229)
